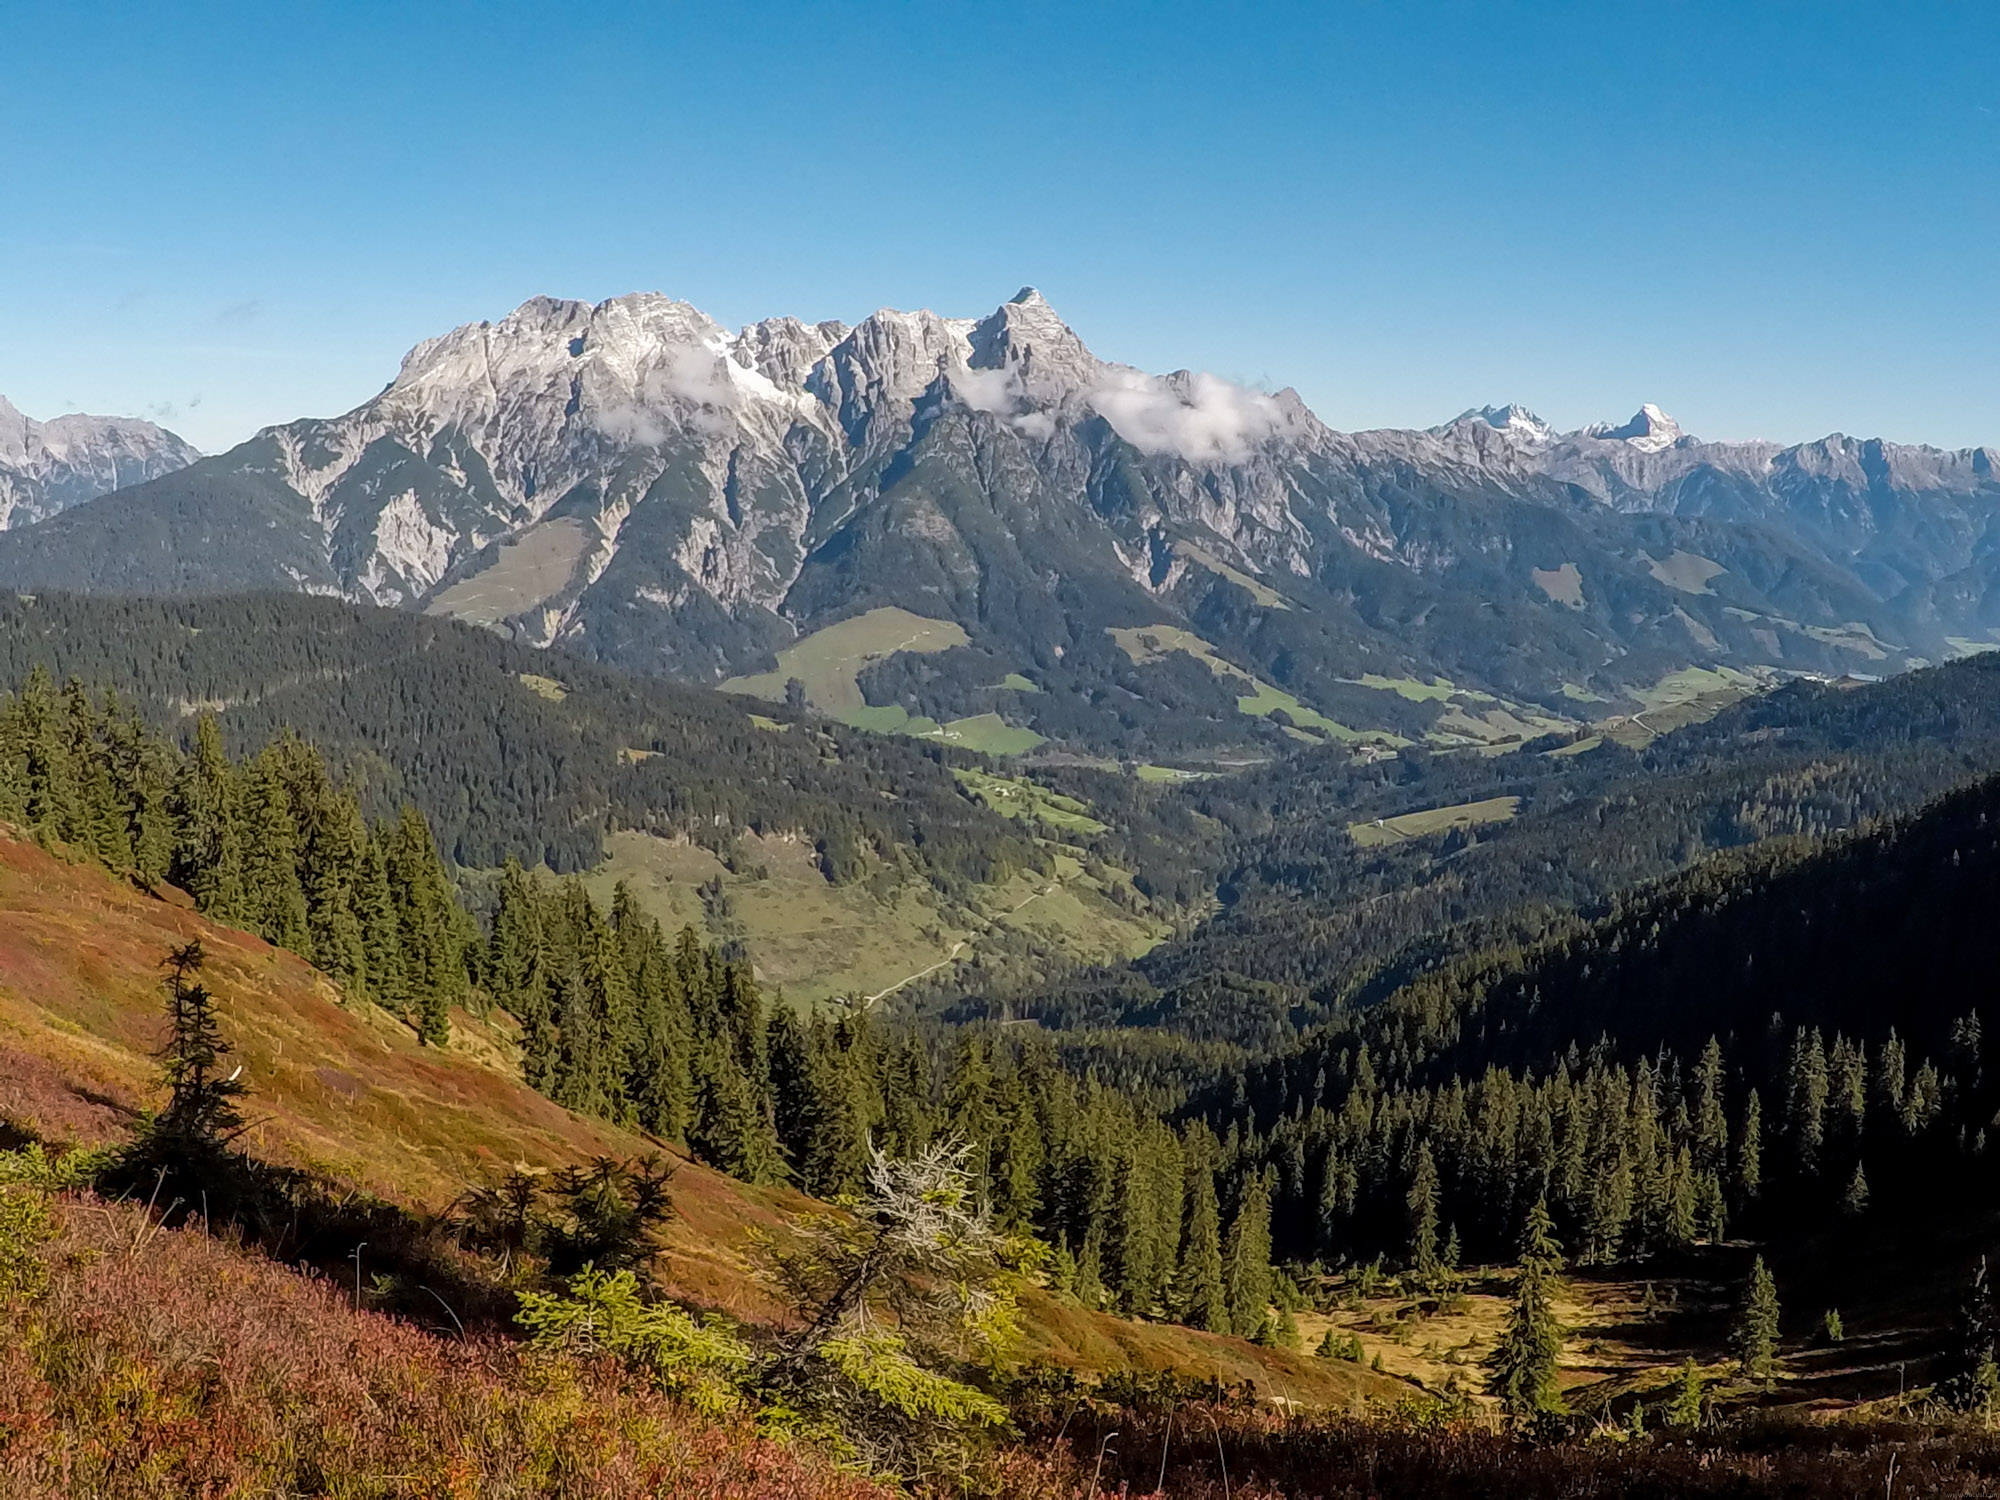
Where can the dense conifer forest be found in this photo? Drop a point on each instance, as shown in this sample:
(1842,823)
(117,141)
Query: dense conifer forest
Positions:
(504,749)
(1311,921)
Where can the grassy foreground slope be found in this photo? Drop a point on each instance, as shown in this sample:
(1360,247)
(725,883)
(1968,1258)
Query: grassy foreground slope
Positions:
(350,1092)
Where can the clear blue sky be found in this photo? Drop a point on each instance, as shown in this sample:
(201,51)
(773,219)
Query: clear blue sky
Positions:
(1774,220)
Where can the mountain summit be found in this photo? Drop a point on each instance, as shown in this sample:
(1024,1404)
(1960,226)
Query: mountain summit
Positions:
(48,466)
(1649,430)
(1152,552)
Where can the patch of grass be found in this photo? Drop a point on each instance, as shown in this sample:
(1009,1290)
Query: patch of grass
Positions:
(889,718)
(987,733)
(818,942)
(1689,696)
(1439,691)
(1563,585)
(1577,747)
(1263,593)
(544,687)
(1689,572)
(1015,682)
(1146,771)
(531,568)
(1493,728)
(828,661)
(771,726)
(1144,643)
(1433,820)
(1019,797)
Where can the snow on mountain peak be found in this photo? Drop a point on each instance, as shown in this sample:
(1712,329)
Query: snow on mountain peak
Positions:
(1650,430)
(1513,419)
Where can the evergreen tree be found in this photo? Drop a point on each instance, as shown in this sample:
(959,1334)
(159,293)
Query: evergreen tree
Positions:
(1970,1373)
(1246,1260)
(48,790)
(382,934)
(1711,1122)
(1750,1152)
(906,1100)
(202,1115)
(1805,1099)
(1421,1204)
(1753,1339)
(1200,1298)
(1854,1201)
(1687,1408)
(1521,1368)
(207,861)
(274,902)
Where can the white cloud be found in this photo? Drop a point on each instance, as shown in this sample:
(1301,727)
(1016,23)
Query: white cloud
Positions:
(1200,417)
(994,391)
(691,374)
(999,393)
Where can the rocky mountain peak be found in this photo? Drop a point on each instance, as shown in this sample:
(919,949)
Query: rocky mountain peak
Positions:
(48,466)
(1027,338)
(1513,419)
(1650,430)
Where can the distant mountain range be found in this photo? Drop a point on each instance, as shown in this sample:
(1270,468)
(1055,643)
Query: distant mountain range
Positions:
(1017,539)
(49,466)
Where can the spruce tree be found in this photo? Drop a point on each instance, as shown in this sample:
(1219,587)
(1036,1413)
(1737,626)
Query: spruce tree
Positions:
(49,796)
(1854,1201)
(274,902)
(906,1100)
(1805,1099)
(1246,1260)
(1750,1152)
(381,930)
(1521,1368)
(202,1116)
(1711,1121)
(1199,1297)
(207,861)
(1753,1339)
(1970,1373)
(1421,1206)
(1686,1410)
(100,821)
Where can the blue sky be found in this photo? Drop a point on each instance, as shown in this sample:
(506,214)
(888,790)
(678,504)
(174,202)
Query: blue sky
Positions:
(1774,220)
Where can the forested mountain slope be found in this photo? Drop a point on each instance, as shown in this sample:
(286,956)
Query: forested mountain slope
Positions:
(505,749)
(1774,1038)
(1325,903)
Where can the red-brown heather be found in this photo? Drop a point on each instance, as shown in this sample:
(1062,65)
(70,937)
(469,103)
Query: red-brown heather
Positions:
(348,1091)
(162,1364)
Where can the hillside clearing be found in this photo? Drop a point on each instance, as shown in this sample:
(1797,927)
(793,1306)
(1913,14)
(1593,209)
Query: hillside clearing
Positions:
(828,661)
(1432,820)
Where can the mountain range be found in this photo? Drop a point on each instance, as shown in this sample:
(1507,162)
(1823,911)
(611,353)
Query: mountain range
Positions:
(977,529)
(49,466)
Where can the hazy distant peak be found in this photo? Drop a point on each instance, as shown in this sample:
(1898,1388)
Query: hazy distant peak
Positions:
(1649,430)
